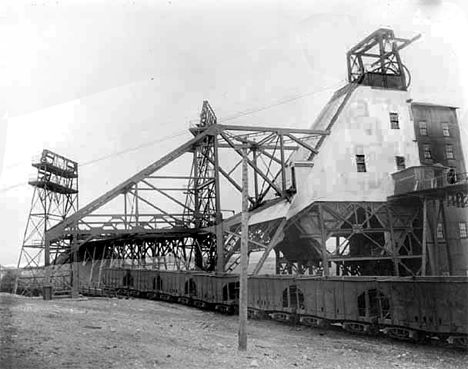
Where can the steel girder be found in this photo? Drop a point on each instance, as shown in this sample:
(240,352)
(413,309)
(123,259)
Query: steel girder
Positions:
(369,238)
(153,207)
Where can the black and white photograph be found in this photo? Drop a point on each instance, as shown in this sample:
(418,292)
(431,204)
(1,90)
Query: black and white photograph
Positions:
(234,184)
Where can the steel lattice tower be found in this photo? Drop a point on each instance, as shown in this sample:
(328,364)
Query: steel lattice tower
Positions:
(55,197)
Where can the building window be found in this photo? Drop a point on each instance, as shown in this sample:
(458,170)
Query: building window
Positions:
(361,163)
(394,121)
(440,231)
(449,151)
(400,162)
(427,151)
(463,230)
(423,128)
(445,129)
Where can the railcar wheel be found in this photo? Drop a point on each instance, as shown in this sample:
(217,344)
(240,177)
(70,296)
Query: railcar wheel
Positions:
(458,342)
(185,300)
(356,327)
(282,317)
(402,333)
(312,321)
(167,298)
(225,309)
(200,304)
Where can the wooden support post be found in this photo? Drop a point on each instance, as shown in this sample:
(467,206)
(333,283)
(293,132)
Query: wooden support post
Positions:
(277,262)
(47,276)
(446,235)
(424,239)
(436,240)
(100,272)
(337,248)
(244,257)
(75,280)
(326,270)
(93,262)
(396,268)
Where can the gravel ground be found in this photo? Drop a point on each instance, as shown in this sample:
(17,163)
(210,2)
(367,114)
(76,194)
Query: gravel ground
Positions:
(134,333)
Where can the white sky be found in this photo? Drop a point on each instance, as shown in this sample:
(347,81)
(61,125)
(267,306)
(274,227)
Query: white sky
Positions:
(90,78)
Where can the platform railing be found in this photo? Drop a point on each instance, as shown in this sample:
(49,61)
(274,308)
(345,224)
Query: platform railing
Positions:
(421,179)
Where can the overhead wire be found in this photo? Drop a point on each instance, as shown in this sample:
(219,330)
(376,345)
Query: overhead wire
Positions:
(277,103)
(226,119)
(114,154)
(135,148)
(180,133)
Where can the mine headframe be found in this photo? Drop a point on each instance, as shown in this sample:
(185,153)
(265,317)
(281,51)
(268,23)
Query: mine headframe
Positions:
(375,61)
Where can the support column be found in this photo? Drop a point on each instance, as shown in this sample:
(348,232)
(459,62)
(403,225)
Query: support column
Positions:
(75,276)
(424,239)
(255,155)
(275,240)
(446,235)
(435,219)
(198,257)
(125,211)
(243,295)
(396,268)
(136,205)
(220,263)
(326,270)
(283,164)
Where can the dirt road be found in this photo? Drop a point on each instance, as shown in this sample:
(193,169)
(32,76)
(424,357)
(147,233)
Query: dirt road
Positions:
(114,333)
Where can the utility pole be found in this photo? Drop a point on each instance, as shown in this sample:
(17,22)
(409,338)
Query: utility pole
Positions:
(244,256)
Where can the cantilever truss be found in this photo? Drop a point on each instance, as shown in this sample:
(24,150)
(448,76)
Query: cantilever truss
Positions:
(161,217)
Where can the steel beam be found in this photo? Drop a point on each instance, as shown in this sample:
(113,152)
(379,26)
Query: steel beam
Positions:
(275,240)
(102,200)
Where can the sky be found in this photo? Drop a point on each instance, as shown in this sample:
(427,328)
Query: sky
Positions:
(91,80)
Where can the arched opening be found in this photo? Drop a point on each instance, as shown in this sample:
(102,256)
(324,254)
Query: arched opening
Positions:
(157,283)
(190,287)
(293,297)
(372,304)
(128,279)
(231,291)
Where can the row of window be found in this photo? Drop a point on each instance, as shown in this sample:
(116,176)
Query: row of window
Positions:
(423,129)
(400,160)
(448,151)
(395,124)
(462,227)
(361,163)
